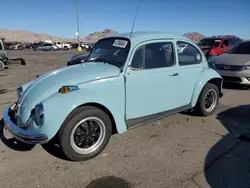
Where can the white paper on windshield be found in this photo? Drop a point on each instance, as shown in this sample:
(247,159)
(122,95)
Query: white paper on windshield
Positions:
(120,43)
(217,40)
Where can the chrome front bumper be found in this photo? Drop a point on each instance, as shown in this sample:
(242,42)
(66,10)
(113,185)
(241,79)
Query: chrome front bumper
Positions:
(20,133)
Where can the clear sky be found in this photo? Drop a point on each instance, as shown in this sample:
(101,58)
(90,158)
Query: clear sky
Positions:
(58,17)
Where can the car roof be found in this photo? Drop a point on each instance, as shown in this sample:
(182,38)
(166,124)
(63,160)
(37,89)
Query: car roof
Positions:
(221,37)
(141,36)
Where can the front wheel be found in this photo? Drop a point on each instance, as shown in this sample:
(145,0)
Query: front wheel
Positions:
(208,100)
(85,133)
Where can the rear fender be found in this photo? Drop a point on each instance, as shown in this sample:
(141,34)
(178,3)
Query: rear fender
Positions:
(208,76)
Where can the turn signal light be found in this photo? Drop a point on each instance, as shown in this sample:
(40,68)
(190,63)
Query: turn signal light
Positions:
(67,89)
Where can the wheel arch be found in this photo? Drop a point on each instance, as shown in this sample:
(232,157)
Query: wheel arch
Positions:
(106,110)
(214,79)
(218,82)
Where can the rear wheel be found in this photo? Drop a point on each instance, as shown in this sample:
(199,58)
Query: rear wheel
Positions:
(2,65)
(85,133)
(66,48)
(208,100)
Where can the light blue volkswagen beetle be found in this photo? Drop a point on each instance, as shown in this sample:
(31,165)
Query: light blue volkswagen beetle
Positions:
(126,81)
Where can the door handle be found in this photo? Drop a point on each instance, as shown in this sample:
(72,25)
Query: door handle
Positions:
(174,74)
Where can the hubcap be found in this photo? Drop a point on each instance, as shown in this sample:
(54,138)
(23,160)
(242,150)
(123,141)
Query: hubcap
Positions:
(88,135)
(210,100)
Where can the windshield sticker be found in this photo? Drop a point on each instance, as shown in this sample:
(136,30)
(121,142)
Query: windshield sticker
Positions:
(120,43)
(217,40)
(198,56)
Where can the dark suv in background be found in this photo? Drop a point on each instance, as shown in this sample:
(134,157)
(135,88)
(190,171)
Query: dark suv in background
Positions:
(217,45)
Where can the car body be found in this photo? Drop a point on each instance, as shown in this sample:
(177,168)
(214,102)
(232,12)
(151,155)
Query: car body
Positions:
(234,66)
(77,59)
(126,81)
(47,47)
(3,55)
(218,45)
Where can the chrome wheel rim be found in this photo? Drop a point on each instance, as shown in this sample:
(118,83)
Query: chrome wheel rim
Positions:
(210,100)
(88,135)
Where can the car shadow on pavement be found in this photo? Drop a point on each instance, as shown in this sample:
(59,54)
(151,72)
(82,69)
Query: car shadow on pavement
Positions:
(13,143)
(54,149)
(109,182)
(235,86)
(227,164)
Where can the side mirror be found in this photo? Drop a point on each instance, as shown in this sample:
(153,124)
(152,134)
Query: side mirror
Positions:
(206,52)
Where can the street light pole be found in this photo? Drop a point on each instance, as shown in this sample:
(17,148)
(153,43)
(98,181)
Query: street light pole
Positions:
(78,33)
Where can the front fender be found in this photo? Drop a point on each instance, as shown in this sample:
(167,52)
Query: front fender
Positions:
(58,106)
(207,75)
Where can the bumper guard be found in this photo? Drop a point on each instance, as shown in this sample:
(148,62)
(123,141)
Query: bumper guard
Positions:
(20,133)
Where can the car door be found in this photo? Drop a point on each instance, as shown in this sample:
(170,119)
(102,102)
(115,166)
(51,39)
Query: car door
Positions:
(190,69)
(151,80)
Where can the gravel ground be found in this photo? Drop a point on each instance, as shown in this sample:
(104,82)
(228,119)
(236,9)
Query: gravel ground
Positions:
(176,152)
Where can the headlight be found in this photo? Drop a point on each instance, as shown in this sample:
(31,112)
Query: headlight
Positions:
(19,92)
(246,67)
(39,114)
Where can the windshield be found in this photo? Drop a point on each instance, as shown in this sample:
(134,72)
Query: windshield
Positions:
(241,48)
(209,42)
(110,50)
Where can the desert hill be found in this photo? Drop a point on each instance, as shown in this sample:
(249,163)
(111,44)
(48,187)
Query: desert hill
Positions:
(27,36)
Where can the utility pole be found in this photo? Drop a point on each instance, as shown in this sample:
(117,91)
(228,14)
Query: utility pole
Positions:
(78,32)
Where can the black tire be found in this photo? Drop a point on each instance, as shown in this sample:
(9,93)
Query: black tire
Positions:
(200,108)
(66,48)
(69,146)
(2,65)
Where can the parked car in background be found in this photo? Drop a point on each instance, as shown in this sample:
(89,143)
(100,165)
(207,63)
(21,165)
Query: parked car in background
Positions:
(74,45)
(77,59)
(47,47)
(3,55)
(36,44)
(234,66)
(217,45)
(127,81)
(65,46)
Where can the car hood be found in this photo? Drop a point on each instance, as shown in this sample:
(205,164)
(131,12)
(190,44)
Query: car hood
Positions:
(50,83)
(232,59)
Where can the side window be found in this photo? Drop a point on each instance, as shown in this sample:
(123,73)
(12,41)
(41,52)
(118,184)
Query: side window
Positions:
(232,42)
(138,59)
(225,44)
(188,54)
(154,55)
(238,40)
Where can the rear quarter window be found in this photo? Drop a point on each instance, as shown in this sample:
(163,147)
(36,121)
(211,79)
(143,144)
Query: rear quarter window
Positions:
(188,54)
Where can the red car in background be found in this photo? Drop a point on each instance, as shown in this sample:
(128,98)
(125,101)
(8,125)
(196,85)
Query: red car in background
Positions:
(217,45)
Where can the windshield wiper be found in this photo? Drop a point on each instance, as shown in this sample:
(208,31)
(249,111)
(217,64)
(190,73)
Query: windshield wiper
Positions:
(108,62)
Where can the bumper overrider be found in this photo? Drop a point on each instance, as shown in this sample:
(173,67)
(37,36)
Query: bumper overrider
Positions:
(21,133)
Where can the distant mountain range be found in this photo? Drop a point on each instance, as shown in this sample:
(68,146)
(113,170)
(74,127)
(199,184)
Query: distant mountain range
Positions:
(27,36)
